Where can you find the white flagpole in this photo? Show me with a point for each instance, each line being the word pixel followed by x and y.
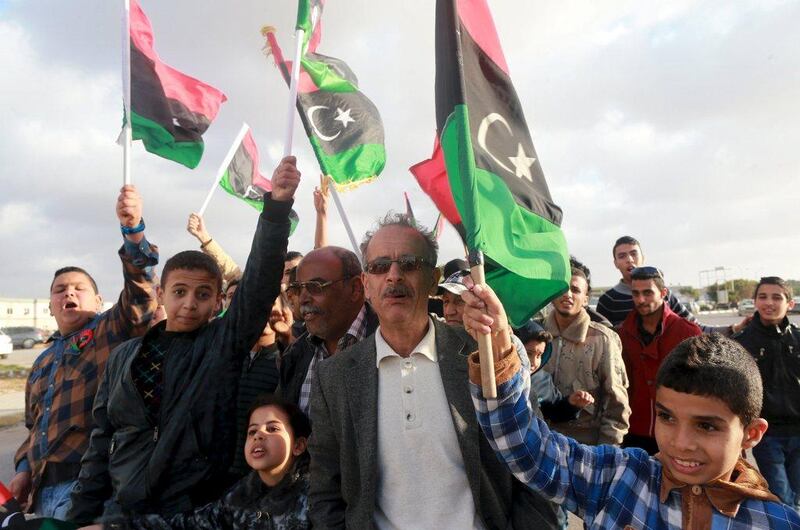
pixel 345 221
pixel 222 167
pixel 127 133
pixel 298 51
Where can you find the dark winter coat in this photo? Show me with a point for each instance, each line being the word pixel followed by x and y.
pixel 135 465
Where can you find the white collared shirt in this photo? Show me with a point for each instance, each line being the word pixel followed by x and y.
pixel 422 482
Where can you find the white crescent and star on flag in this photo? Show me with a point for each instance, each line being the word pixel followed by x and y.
pixel 521 161
pixel 342 116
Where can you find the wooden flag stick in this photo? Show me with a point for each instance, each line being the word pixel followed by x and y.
pixel 488 385
pixel 223 166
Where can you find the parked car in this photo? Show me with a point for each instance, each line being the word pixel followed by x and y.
pixel 25 337
pixel 746 307
pixel 5 345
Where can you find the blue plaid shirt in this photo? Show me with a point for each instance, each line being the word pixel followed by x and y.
pixel 606 486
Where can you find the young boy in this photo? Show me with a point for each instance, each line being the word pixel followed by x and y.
pixel 165 413
pixel 774 342
pixel 708 399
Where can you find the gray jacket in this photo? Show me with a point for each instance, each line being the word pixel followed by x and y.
pixel 344 444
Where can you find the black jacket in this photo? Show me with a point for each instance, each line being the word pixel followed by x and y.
pixel 249 504
pixel 776 349
pixel 297 359
pixel 181 461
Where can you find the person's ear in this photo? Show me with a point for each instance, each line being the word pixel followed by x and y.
pixel 754 432
pixel 664 292
pixel 791 304
pixel 356 288
pixel 160 294
pixel 98 299
pixel 218 305
pixel 299 446
pixel 436 276
pixel 365 283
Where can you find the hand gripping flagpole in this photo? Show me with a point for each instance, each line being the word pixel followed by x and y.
pixel 488 385
pixel 127 133
pixel 222 167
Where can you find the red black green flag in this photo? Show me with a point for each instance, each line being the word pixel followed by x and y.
pixel 170 111
pixel 344 127
pixel 495 179
pixel 244 180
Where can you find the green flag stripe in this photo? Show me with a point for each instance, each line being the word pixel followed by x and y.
pixel 353 165
pixel 325 78
pixel 159 141
pixel 527 245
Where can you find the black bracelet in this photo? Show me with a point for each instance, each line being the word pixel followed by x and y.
pixel 126 231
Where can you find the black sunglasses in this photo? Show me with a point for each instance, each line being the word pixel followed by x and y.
pixel 407 263
pixel 313 287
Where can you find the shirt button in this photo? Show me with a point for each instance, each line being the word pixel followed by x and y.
pixel 410 416
pixel 44 433
pixel 407 364
pixel 408 389
pixel 697 490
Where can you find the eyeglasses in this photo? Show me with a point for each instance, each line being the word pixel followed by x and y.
pixel 314 287
pixel 646 272
pixel 407 263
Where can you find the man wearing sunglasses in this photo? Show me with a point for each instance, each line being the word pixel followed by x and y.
pixel 329 295
pixel 648 334
pixel 396 442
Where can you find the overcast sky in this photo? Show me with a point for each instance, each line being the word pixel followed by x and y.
pixel 675 122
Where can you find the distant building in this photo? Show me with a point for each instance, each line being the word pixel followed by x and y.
pixel 29 312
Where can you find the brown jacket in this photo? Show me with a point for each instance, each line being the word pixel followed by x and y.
pixel 588 356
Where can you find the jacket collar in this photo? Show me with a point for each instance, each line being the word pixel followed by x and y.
pixel 774 330
pixel 724 495
pixel 575 332
pixel 631 326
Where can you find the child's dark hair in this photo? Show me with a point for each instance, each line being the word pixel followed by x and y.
pixel 712 365
pixel 301 426
pixel 192 260
pixel 64 270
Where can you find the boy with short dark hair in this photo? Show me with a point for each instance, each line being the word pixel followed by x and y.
pixel 708 397
pixel 774 342
pixel 165 413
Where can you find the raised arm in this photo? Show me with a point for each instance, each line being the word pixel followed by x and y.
pixel 197 227
pixel 321 195
pixel 261 282
pixel 130 316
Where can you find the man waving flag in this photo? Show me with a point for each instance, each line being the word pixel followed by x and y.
pixel 492 168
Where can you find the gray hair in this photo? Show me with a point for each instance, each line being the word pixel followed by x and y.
pixel 404 221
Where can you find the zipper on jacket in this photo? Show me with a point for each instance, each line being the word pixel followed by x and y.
pixel 155 434
pixel 111 449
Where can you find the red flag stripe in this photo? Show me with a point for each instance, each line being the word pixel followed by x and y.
pixel 477 20
pixel 193 94
pixel 249 144
pixel 431 175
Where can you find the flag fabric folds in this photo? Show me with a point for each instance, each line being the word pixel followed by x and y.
pixel 244 180
pixel 344 127
pixel 495 178
pixel 170 111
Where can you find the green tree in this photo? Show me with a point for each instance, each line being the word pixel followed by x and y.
pixel 738 289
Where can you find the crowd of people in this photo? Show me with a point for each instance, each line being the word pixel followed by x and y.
pixel 317 391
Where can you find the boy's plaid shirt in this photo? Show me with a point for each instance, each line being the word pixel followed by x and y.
pixel 63 380
pixel 608 487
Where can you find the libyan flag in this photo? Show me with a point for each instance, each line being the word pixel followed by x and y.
pixel 244 180
pixel 494 192
pixel 170 111
pixel 344 127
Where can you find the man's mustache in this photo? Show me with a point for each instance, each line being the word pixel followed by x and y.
pixel 397 290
